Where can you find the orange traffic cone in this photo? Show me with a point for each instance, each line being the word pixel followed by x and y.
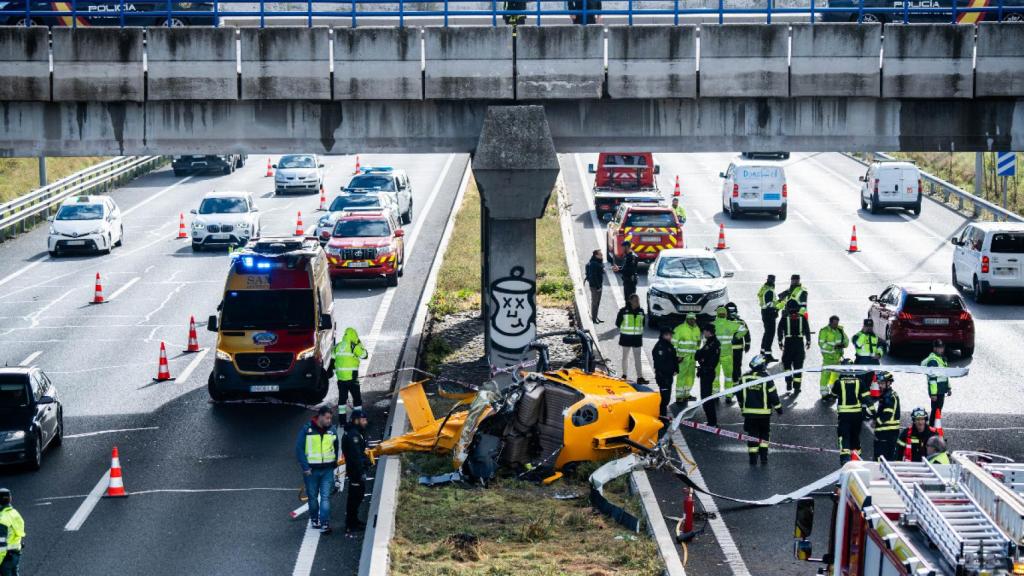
pixel 677 191
pixel 163 371
pixel 853 239
pixel 721 237
pixel 181 226
pixel 323 199
pixel 875 391
pixel 97 297
pixel 270 169
pixel 193 338
pixel 298 226
pixel 938 423
pixel 115 486
pixel 356 171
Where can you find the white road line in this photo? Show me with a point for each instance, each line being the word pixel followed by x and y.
pixel 82 514
pixel 735 263
pixel 155 196
pixel 928 231
pixel 183 377
pixel 123 288
pixel 853 258
pixel 802 217
pixel 307 552
pixel 700 217
pixel 28 360
pixel 22 270
pixel 100 432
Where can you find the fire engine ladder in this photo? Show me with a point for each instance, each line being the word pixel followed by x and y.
pixel 999 490
pixel 903 476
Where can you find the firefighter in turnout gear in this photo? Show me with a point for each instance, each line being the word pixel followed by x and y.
pixel 915 437
pixel 347 355
pixel 12 532
pixel 756 405
pixel 686 340
pixel 769 315
pixel 867 349
pixel 884 414
pixel 832 341
pixel 852 395
pixel 795 339
pixel 725 329
pixel 740 344
pixel 938 386
pixel 796 292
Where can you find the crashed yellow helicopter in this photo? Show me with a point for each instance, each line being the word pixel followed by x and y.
pixel 539 421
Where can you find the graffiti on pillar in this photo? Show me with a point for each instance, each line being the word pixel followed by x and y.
pixel 513 317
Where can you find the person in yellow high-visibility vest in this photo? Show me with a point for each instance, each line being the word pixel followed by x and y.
pixel 832 341
pixel 725 329
pixel 686 339
pixel 678 210
pixel 630 322
pixel 12 532
pixel 347 355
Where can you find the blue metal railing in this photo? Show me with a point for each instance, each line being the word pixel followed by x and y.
pixel 494 12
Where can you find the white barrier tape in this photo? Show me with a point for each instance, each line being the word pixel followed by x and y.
pixel 739 436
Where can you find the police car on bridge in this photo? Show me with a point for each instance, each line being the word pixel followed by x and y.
pixel 107 13
pixel 922 11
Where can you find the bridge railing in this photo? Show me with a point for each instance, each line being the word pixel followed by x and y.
pixel 952 196
pixel 535 12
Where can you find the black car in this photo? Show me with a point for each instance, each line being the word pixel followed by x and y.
pixel 108 13
pixel 226 163
pixel 31 416
pixel 921 11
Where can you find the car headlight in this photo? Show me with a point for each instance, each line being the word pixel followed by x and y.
pixel 14 435
pixel 656 293
pixel 52 231
pixel 306 354
pixel 324 221
pixel 717 294
pixel 332 250
pixel 384 250
pixel 96 231
pixel 243 225
pixel 196 225
pixel 222 355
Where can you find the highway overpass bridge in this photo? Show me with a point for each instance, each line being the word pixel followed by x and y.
pixel 684 88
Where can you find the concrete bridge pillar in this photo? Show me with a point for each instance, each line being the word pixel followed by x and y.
pixel 515 166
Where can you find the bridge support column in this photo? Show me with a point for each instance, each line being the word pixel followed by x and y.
pixel 515 166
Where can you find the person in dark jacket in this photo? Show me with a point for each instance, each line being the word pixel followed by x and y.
pixel 592 6
pixel 630 270
pixel 593 276
pixel 794 338
pixel 707 370
pixel 317 452
pixel 353 446
pixel 630 321
pixel 666 365
pixel 756 404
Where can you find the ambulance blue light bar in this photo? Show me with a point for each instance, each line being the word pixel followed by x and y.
pixel 368 169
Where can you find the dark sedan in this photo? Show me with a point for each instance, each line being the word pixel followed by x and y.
pixel 31 416
pixel 194 164
pixel 918 313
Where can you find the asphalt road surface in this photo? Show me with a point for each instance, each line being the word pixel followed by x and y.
pixel 983 413
pixel 210 485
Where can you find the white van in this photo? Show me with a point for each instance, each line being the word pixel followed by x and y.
pixel 891 185
pixel 989 257
pixel 754 186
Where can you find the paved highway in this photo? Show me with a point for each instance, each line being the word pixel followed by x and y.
pixel 983 413
pixel 211 485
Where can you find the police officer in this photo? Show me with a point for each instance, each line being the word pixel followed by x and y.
pixel 317 452
pixel 686 339
pixel 725 329
pixel 832 341
pixel 12 532
pixel 867 350
pixel 353 446
pixel 915 437
pixel 769 315
pixel 796 292
pixel 938 386
pixel 852 394
pixel 678 210
pixel 936 448
pixel 630 269
pixel 707 370
pixel 756 404
pixel 884 414
pixel 347 355
pixel 666 364
pixel 593 275
pixel 630 322
pixel 740 343
pixel 795 339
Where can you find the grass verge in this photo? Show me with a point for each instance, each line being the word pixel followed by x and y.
pixel 19 176
pixel 458 280
pixel 958 168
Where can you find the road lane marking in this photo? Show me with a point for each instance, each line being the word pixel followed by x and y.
pixel 853 258
pixel 183 377
pixel 735 263
pixel 699 216
pixel 28 360
pixel 157 195
pixel 307 552
pixel 123 288
pixel 22 270
pixel 802 217
pixel 34 317
pixel 82 514
pixel 100 432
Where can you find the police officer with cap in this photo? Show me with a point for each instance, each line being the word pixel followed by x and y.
pixel 353 446
pixel 867 349
pixel 630 270
pixel 12 532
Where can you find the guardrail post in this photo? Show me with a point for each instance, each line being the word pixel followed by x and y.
pixel 721 11
pixel 263 17
pixel 769 12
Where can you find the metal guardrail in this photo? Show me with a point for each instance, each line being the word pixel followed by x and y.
pixel 24 212
pixel 952 196
pixel 179 13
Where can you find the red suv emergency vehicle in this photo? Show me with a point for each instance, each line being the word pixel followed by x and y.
pixel 649 230
pixel 367 245
pixel 621 177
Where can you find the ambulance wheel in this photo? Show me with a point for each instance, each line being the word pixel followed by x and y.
pixel 319 392
pixel 216 393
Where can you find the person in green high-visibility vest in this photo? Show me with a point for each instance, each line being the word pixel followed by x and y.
pixel 678 210
pixel 832 341
pixel 686 339
pixel 938 386
pixel 725 329
pixel 630 322
pixel 347 355
pixel 936 449
pixel 12 532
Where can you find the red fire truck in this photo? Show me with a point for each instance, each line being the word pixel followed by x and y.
pixel 624 177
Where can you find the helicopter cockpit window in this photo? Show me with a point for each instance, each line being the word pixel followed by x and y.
pixel 585 415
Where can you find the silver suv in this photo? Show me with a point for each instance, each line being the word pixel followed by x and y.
pixel 385 180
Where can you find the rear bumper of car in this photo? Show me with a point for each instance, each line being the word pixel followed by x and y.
pixel 302 375
pixel 991 284
pixel 198 166
pixel 925 336
pixel 90 243
pixel 893 203
pixel 773 206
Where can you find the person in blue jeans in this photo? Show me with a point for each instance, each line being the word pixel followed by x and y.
pixel 317 452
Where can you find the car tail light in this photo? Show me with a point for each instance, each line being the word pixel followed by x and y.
pixel 919 186
pixel 965 316
pixel 876 185
pixel 735 190
pixel 785 191
pixel 905 316
pixel 984 264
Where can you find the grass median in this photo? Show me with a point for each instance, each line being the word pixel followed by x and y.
pixel 19 176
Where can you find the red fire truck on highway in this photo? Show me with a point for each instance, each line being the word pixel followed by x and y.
pixel 624 177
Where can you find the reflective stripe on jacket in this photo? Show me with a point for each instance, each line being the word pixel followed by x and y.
pixel 886 412
pixel 317 447
pixel 686 339
pixel 12 529
pixel 759 399
pixel 937 385
pixel 347 355
pixel 832 340
pixel 848 389
pixel 632 323
pixel 865 345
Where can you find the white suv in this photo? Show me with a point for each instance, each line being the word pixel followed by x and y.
pixel 989 257
pixel 385 180
pixel 86 224
pixel 891 185
pixel 684 280
pixel 225 218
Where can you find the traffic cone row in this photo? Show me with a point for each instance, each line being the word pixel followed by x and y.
pixel 938 423
pixel 853 239
pixel 299 231
pixel 721 237
pixel 323 199
pixel 356 171
pixel 182 234
pixel 270 169
pixel 193 338
pixel 115 485
pixel 163 371
pixel 677 191
pixel 97 297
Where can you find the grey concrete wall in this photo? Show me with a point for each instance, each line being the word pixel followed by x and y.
pixel 652 61
pixel 999 70
pixel 377 64
pixel 24 63
pixel 285 63
pixel 469 63
pixel 191 64
pixel 559 62
pixel 928 61
pixel 97 64
pixel 835 60
pixel 744 60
